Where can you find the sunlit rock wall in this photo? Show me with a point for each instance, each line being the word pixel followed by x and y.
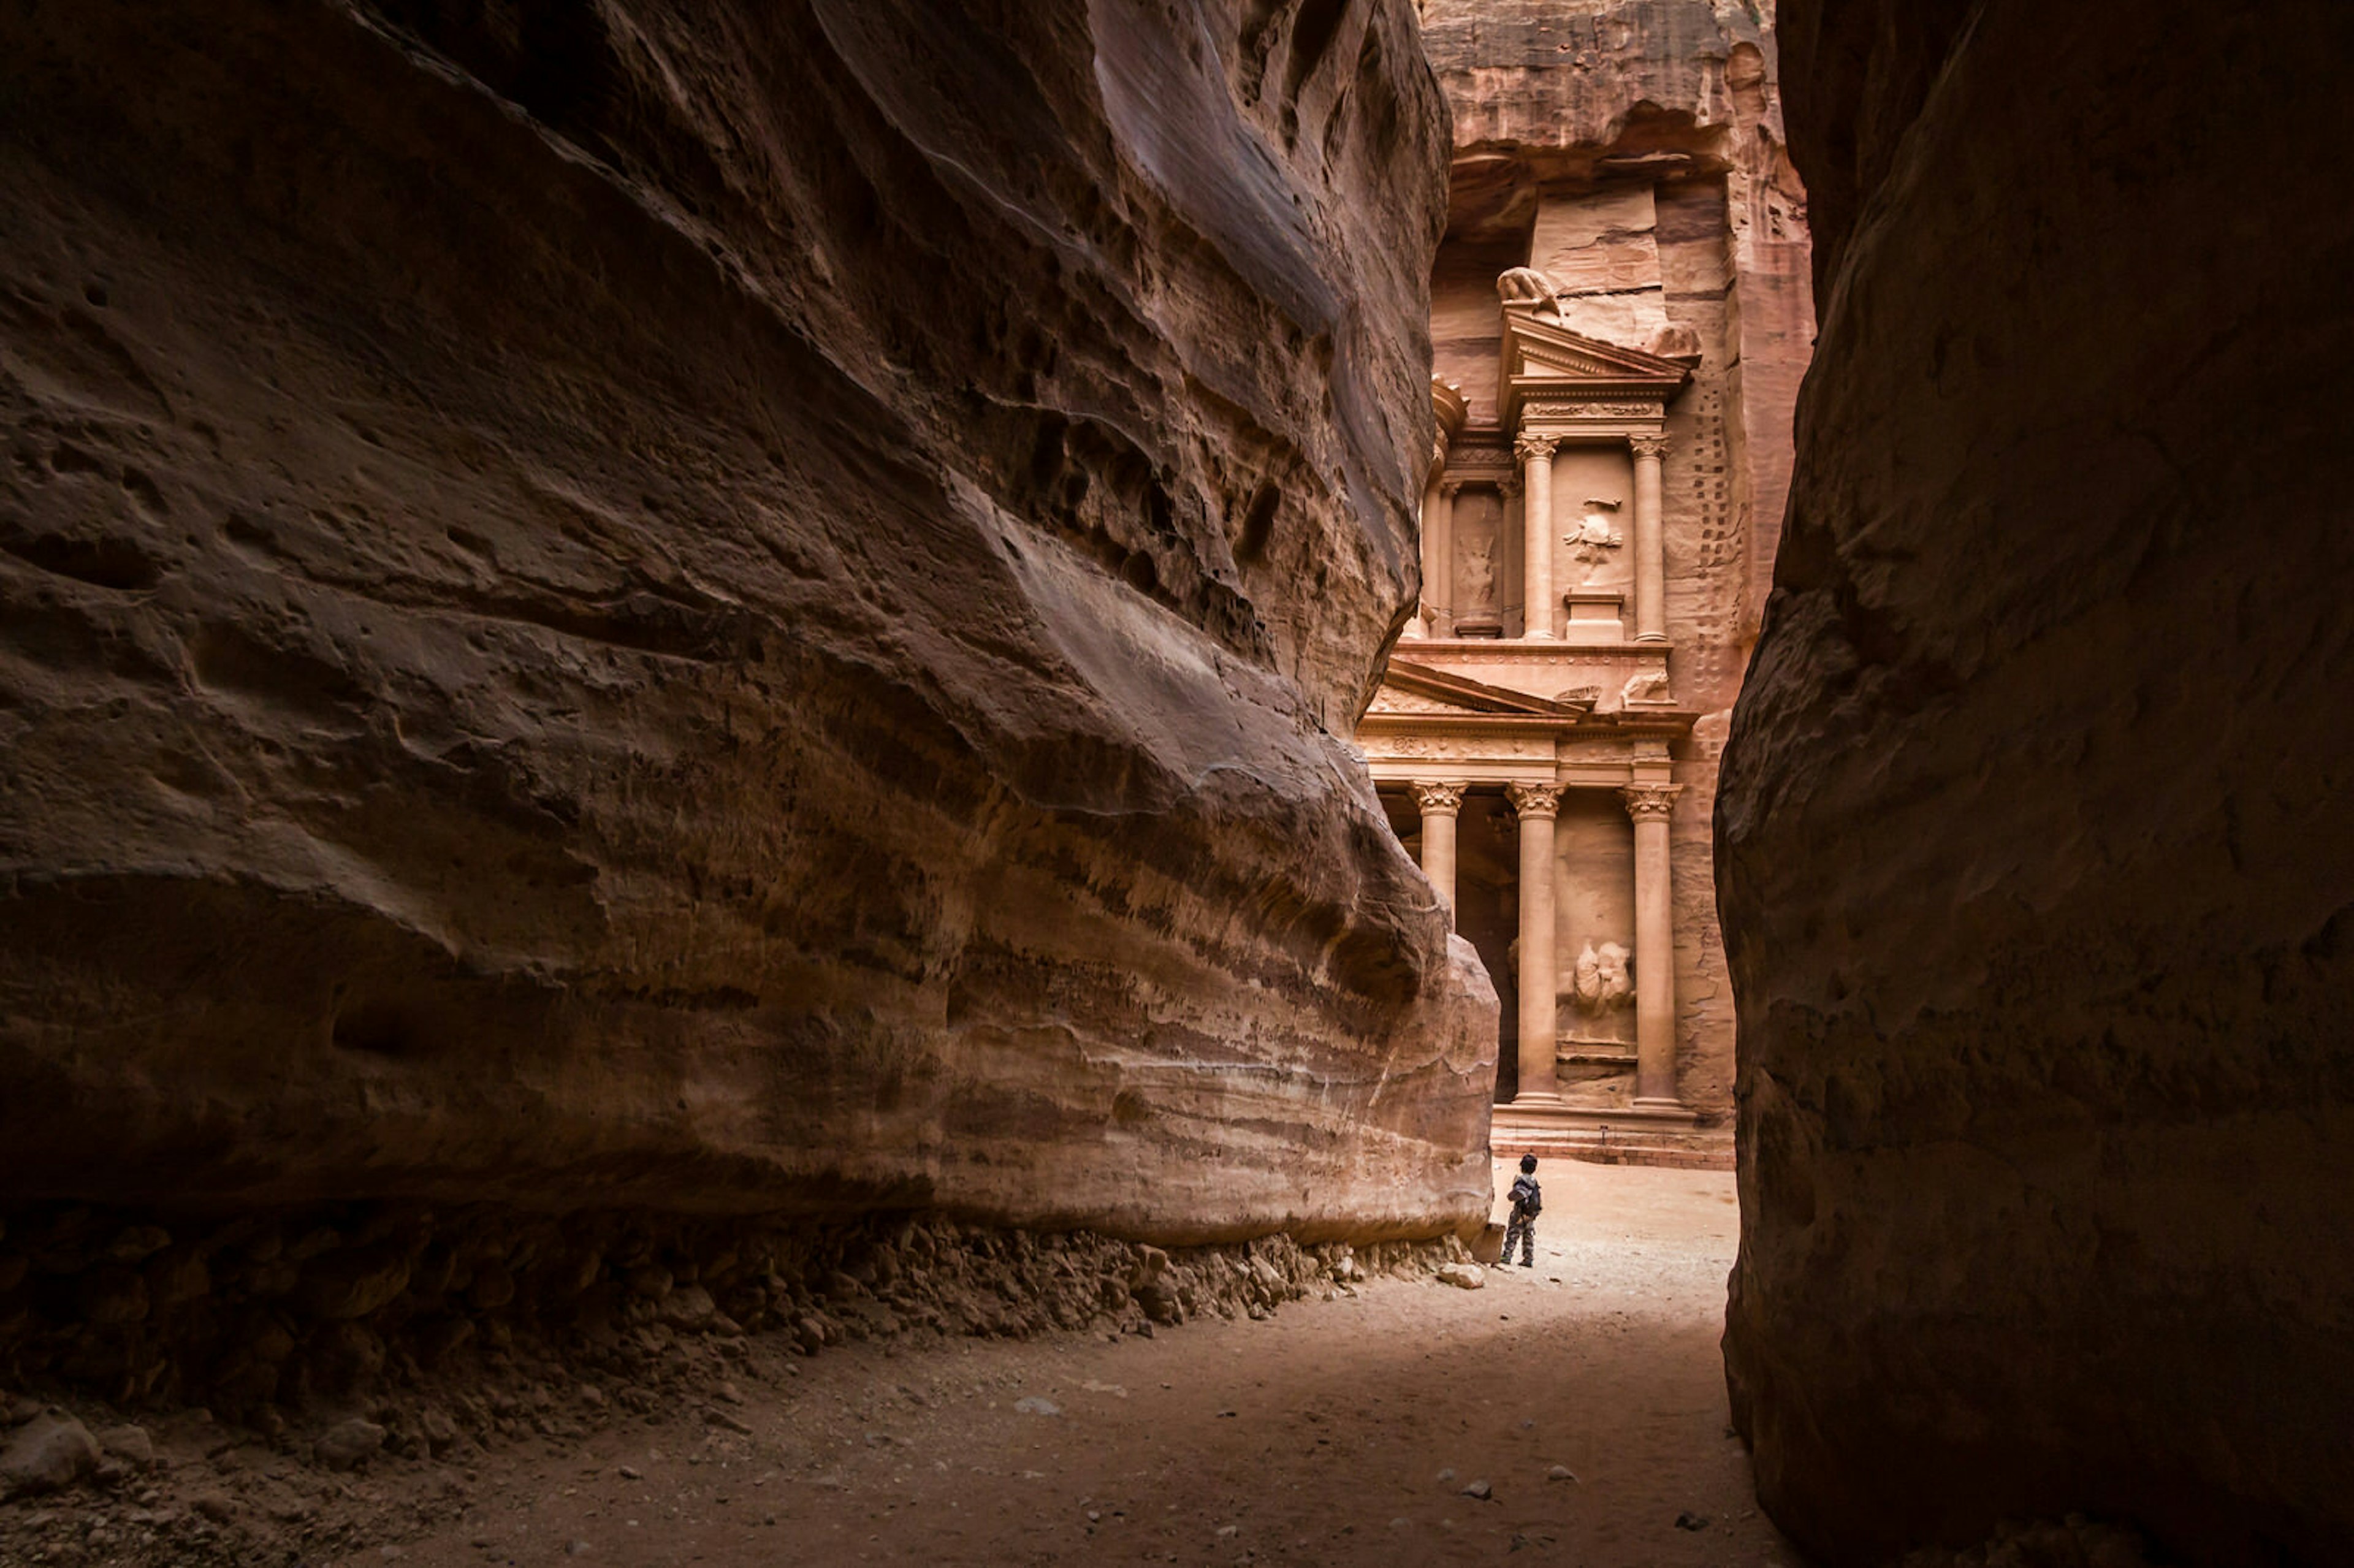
pixel 724 606
pixel 2035 865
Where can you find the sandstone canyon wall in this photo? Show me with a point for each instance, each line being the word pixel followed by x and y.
pixel 1634 150
pixel 726 607
pixel 2034 859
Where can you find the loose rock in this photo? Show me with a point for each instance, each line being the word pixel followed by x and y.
pixel 347 1443
pixel 48 1453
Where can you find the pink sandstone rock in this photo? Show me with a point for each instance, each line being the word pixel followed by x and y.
pixel 2034 861
pixel 718 605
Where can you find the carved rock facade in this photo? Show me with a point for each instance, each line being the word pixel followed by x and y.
pixel 2035 855
pixel 1619 319
pixel 720 607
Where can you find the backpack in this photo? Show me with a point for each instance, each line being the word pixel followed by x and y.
pixel 1532 1204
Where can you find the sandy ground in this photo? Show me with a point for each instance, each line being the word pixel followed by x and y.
pixel 1339 1432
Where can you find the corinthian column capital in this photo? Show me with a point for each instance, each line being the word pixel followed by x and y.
pixel 1439 800
pixel 1645 800
pixel 1530 447
pixel 1534 800
pixel 1653 446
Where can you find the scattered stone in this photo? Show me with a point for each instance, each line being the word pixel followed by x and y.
pixel 351 1284
pixel 1560 1473
pixel 48 1453
pixel 1692 1521
pixel 440 1432
pixel 687 1307
pixel 577 1549
pixel 629 1473
pixel 1033 1405
pixel 113 1294
pixel 1462 1276
pixel 129 1444
pixel 347 1443
pixel 138 1243
pixel 1479 1489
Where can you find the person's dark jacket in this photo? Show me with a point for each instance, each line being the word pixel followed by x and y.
pixel 1528 1198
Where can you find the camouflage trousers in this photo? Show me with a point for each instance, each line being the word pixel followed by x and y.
pixel 1522 1228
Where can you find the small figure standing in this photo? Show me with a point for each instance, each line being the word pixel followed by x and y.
pixel 1528 1202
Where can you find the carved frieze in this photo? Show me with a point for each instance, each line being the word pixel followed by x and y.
pixel 1541 407
pixel 1458 748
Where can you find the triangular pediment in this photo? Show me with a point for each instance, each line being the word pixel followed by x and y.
pixel 1411 688
pixel 1536 348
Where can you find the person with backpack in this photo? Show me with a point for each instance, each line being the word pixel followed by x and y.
pixel 1528 1202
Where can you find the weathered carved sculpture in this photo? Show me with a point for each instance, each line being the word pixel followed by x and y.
pixel 1602 981
pixel 1526 285
pixel 1594 544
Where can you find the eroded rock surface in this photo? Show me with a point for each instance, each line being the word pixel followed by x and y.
pixel 718 605
pixel 2033 859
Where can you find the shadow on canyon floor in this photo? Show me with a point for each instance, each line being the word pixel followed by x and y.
pixel 1586 1394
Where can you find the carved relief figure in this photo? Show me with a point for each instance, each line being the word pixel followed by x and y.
pixel 1601 982
pixel 1591 542
pixel 1526 284
pixel 1475 572
pixel 1646 686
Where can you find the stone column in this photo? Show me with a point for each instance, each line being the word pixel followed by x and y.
pixel 1442 596
pixel 1655 946
pixel 1650 541
pixel 1535 805
pixel 1423 622
pixel 1535 453
pixel 1439 803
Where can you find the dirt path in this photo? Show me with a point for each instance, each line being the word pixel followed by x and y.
pixel 1339 1431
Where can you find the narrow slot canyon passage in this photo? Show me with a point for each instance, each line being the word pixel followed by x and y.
pixel 812 782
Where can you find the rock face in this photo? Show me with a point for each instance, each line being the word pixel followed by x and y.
pixel 724 607
pixel 2034 856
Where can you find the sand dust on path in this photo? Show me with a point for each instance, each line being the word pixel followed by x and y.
pixel 1339 1432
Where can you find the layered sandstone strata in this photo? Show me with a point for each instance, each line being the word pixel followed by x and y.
pixel 721 607
pixel 2034 863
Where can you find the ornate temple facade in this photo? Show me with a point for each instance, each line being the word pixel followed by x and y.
pixel 1617 339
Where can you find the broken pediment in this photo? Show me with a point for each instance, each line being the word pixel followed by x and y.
pixel 1544 359
pixel 1411 688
